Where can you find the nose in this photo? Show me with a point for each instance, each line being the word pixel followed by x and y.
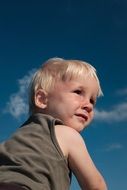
pixel 86 105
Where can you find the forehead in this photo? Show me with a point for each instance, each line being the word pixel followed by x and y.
pixel 84 83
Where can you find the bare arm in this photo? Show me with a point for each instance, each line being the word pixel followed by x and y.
pixel 81 164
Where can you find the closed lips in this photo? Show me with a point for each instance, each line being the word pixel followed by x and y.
pixel 83 116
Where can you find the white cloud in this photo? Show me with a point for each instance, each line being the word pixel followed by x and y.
pixel 16 105
pixel 113 146
pixel 18 102
pixel 116 114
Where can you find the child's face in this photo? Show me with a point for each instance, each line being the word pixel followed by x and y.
pixel 73 102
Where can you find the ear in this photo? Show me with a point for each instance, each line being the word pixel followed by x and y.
pixel 41 99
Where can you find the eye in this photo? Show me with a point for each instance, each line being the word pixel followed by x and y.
pixel 77 91
pixel 93 101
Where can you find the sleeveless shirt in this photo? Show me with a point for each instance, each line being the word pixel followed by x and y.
pixel 32 156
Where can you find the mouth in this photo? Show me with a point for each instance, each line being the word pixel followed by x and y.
pixel 82 116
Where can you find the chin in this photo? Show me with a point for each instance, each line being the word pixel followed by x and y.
pixel 80 128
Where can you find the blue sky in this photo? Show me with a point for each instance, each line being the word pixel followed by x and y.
pixel 93 31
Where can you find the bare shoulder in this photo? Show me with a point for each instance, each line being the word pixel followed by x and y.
pixel 66 136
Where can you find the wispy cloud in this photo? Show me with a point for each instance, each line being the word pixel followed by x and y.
pixel 113 147
pixel 18 102
pixel 117 113
pixel 122 92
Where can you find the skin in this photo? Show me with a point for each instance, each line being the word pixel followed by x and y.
pixel 73 102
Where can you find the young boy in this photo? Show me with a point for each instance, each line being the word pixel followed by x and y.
pixel 42 154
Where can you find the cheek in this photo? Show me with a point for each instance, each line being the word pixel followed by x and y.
pixel 91 115
pixel 66 104
pixel 66 108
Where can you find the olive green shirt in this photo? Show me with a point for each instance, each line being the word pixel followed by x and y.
pixel 32 156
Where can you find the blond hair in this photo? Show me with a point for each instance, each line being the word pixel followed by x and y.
pixel 58 69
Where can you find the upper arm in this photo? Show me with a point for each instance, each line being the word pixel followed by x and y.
pixel 80 162
pixel 82 165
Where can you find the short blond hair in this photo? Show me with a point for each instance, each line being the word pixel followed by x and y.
pixel 58 69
